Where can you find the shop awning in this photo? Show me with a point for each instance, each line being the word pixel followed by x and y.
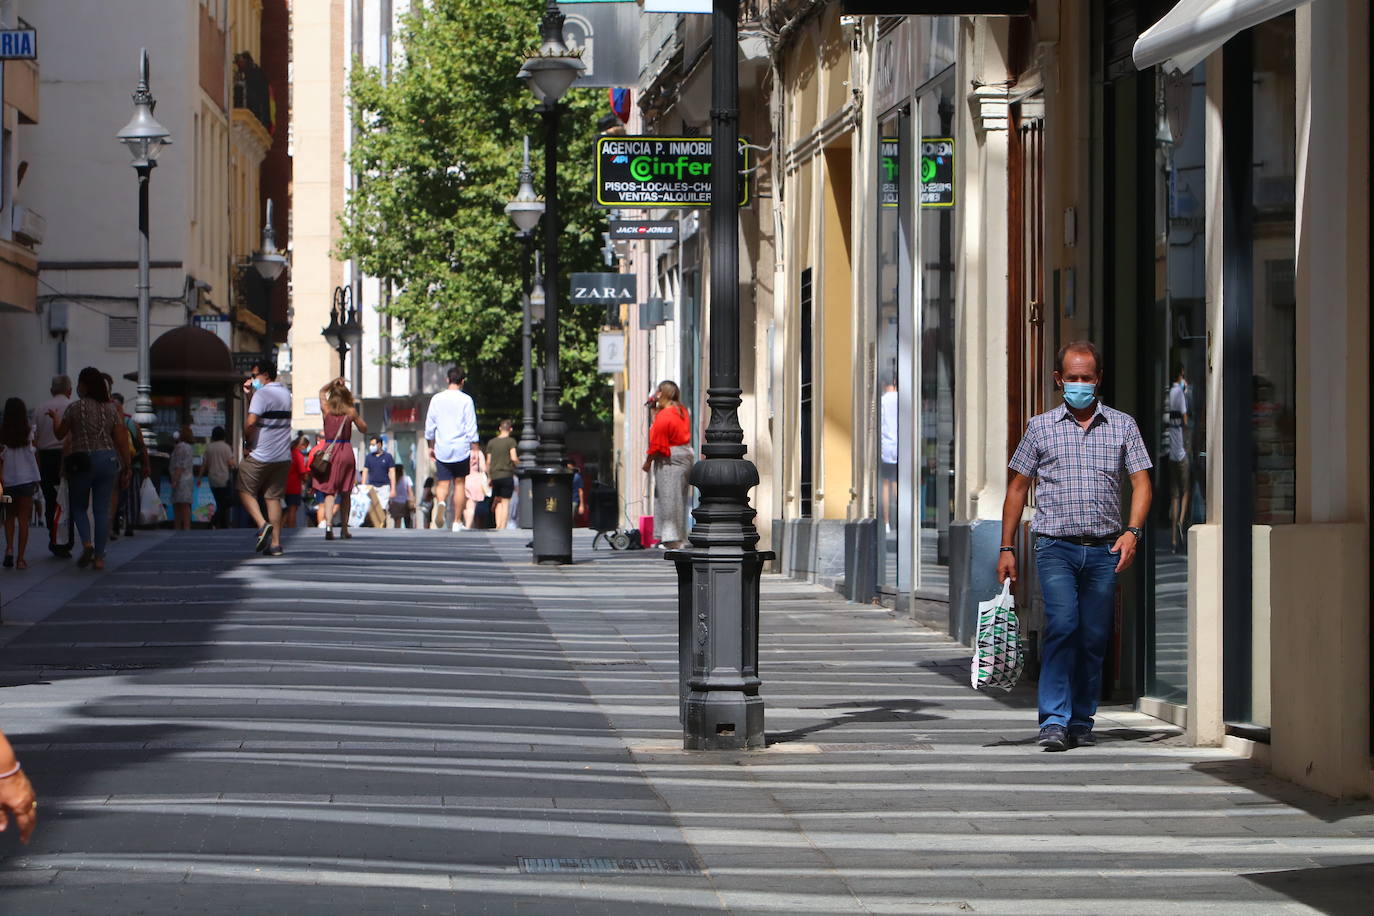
pixel 1194 29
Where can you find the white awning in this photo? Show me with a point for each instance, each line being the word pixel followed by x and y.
pixel 1194 29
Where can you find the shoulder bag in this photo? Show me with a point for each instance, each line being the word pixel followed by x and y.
pixel 321 463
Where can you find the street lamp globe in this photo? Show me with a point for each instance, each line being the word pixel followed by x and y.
pixel 549 71
pixel 537 299
pixel 143 135
pixel 525 208
pixel 352 328
pixel 333 332
pixel 268 261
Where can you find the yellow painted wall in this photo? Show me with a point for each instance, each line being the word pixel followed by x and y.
pixel 834 338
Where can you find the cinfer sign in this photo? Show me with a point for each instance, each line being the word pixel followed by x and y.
pixel 659 171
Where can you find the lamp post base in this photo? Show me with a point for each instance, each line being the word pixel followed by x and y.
pixel 719 697
pixel 551 506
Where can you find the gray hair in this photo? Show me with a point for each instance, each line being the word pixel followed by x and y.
pixel 61 384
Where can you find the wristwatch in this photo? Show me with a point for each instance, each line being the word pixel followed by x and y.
pixel 1139 534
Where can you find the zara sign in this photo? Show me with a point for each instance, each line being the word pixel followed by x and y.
pixel 604 289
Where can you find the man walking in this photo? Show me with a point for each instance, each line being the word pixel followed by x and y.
pixel 1077 452
pixel 263 473
pixel 50 460
pixel 451 431
pixel 379 477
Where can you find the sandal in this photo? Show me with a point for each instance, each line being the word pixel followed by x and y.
pixel 9 561
pixel 344 533
pixel 21 564
pixel 98 564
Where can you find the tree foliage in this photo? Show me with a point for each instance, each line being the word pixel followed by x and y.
pixel 437 152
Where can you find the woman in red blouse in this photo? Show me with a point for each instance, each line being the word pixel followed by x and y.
pixel 670 458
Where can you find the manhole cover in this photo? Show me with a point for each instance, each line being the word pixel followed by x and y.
pixel 607 866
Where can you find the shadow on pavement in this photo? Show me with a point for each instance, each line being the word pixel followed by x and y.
pixel 1336 890
pixel 867 712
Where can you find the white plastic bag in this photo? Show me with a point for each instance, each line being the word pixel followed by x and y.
pixel 998 651
pixel 150 509
pixel 63 513
pixel 357 508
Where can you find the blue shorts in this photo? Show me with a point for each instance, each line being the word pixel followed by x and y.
pixel 451 470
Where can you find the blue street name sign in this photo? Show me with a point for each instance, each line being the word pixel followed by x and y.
pixel 18 44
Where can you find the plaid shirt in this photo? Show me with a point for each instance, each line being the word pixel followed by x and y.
pixel 1079 470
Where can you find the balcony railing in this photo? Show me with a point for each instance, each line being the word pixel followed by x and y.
pixel 251 89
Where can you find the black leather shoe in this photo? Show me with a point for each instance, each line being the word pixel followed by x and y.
pixel 1054 738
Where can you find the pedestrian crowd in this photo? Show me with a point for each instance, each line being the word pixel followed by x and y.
pixel 82 457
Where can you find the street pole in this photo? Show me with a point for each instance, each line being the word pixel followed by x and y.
pixel 528 443
pixel 551 481
pixel 718 576
pixel 143 401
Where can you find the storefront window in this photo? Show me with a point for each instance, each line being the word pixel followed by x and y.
pixel 1179 368
pixel 1273 243
pixel 891 255
pixel 1273 238
pixel 935 450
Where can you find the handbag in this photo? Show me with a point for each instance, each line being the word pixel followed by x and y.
pixel 321 463
pixel 998 652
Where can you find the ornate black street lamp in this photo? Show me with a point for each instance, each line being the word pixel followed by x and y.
pixel 145 138
pixel 718 576
pixel 344 331
pixel 269 263
pixel 548 72
pixel 524 211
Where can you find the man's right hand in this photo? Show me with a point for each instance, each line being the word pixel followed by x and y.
pixel 1006 566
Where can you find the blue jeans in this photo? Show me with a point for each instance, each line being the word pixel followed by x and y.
pixel 91 490
pixel 1079 587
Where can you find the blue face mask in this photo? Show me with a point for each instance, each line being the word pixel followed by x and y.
pixel 257 383
pixel 1079 395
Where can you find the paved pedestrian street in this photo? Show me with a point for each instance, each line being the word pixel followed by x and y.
pixel 422 722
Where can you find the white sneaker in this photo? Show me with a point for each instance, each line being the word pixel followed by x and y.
pixel 458 526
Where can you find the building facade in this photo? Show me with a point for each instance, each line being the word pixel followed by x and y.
pixel 944 200
pixel 206 210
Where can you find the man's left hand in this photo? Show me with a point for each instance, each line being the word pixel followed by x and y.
pixel 1124 548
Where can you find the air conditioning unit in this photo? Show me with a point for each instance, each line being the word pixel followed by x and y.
pixel 28 227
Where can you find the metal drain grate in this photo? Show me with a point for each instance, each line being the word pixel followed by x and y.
pixel 607 866
pixel 847 748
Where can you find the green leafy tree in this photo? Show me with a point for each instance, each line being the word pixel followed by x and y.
pixel 437 153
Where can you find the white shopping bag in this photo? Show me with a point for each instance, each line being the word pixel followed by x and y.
pixel 998 652
pixel 357 508
pixel 150 509
pixel 63 513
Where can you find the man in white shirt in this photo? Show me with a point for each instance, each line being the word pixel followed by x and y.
pixel 264 472
pixel 50 458
pixel 451 431
pixel 1180 463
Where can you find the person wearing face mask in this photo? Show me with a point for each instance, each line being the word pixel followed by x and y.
pixel 379 473
pixel 262 475
pixel 295 481
pixel 1077 453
